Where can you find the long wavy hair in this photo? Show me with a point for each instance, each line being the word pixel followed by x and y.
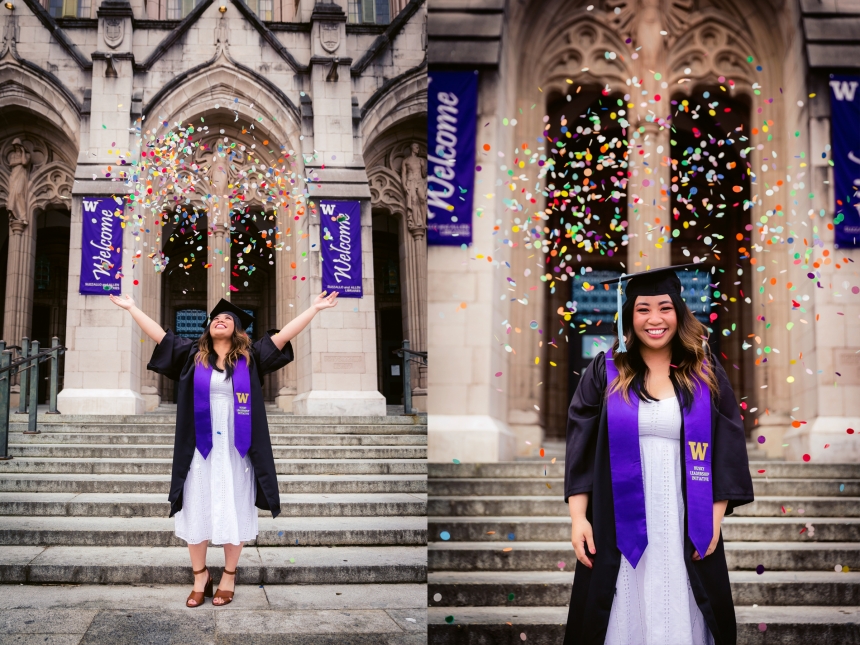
pixel 206 349
pixel 691 358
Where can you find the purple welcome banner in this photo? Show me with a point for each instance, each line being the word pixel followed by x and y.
pixel 101 249
pixel 452 128
pixel 845 137
pixel 341 248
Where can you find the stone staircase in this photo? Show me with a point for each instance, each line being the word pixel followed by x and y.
pixel 83 505
pixel 501 563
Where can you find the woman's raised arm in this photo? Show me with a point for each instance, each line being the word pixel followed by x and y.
pixel 292 328
pixel 147 324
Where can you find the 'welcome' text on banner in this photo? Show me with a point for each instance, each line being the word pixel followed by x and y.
pixel 101 249
pixel 452 127
pixel 341 248
pixel 845 138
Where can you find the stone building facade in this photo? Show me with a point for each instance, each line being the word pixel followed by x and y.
pixel 340 86
pixel 792 352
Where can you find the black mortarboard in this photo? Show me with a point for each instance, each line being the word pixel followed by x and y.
pixel 656 282
pixel 241 317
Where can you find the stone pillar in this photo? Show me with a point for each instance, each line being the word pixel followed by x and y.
pixel 103 365
pixel 286 305
pixel 218 275
pixel 20 267
pixel 414 265
pixel 649 214
pixel 336 354
pixel 150 304
pixel 649 219
pixel 466 304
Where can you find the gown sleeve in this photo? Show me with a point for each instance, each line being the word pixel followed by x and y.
pixel 730 462
pixel 170 355
pixel 268 357
pixel 583 421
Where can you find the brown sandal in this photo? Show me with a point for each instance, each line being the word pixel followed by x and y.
pixel 227 596
pixel 198 596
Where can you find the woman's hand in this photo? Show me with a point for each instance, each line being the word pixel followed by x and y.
pixel 581 534
pixel 126 304
pixel 711 548
pixel 719 512
pixel 324 301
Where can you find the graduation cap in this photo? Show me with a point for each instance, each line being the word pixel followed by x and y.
pixel 240 317
pixel 656 282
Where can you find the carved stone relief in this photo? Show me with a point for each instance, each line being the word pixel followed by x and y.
pixel 32 176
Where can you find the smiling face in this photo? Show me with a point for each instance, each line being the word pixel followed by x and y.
pixel 655 321
pixel 222 326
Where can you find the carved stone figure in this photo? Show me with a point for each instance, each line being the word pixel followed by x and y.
pixel 413 175
pixel 218 177
pixel 19 181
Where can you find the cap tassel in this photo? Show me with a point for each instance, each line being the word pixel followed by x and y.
pixel 622 347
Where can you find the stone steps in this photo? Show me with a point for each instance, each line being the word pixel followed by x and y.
pixel 780 506
pixel 166 440
pixel 140 531
pixel 96 451
pixel 507 531
pixel 322 484
pixel 85 502
pixel 549 529
pixel 542 470
pixel 49 430
pixel 552 589
pixel 156 505
pixel 358 614
pixel 545 625
pixel 115 466
pixel 273 417
pixel 552 487
pixel 549 556
pixel 170 565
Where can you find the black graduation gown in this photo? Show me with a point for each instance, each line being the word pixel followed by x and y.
pixel 174 357
pixel 587 471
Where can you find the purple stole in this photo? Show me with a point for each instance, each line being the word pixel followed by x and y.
pixel 628 490
pixel 241 408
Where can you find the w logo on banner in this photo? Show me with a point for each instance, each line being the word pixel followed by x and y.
pixel 843 90
pixel 328 209
pixel 698 450
pixel 90 207
pixel 243 398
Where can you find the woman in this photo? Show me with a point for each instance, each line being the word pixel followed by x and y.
pixel 656 455
pixel 222 458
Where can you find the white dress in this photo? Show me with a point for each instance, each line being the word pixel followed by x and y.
pixel 654 604
pixel 218 497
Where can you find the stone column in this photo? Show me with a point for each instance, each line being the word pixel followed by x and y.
pixel 336 354
pixel 649 219
pixel 103 365
pixel 150 304
pixel 218 275
pixel 649 214
pixel 414 265
pixel 285 307
pixel 20 267
pixel 467 303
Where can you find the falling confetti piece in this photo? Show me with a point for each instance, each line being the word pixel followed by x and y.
pixel 759 569
pixel 437 597
pixel 445 535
